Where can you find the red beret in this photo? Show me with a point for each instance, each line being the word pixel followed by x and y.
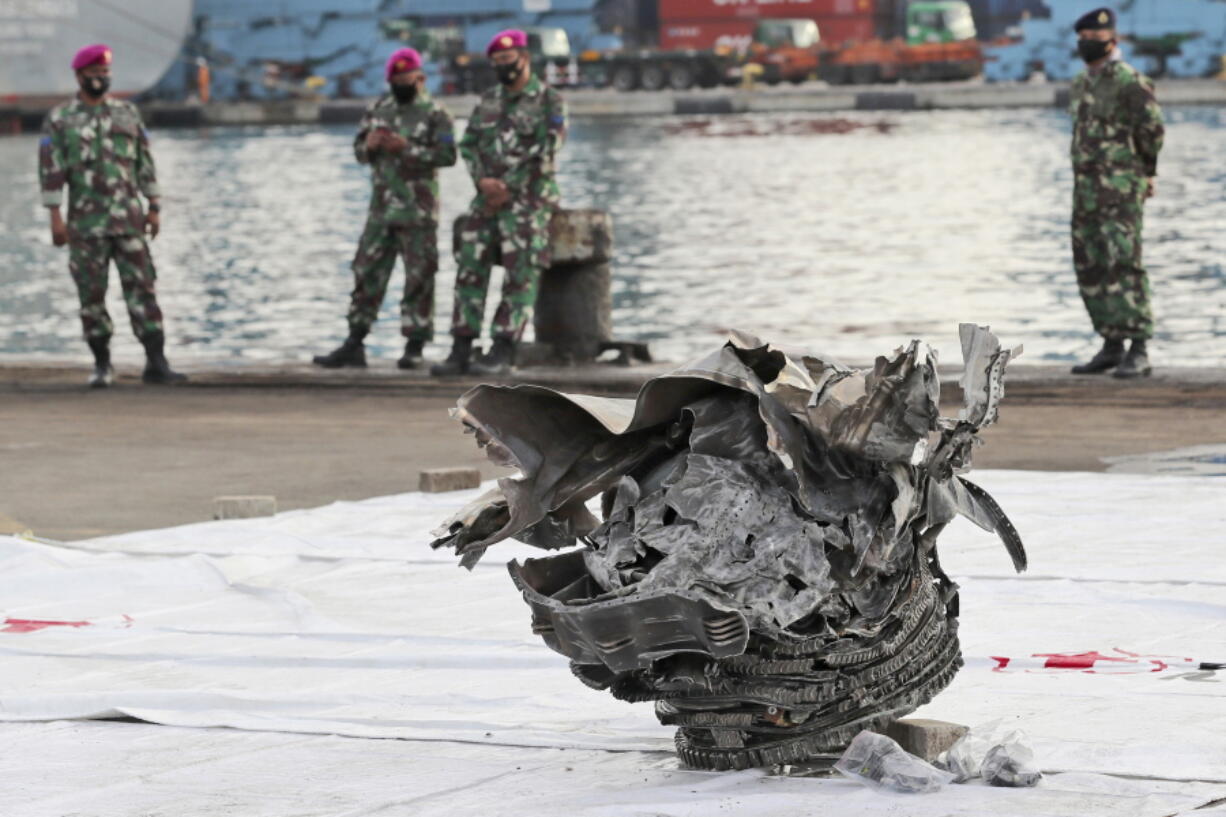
pixel 511 38
pixel 406 59
pixel 91 54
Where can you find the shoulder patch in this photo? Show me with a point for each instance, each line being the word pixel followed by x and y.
pixel 45 142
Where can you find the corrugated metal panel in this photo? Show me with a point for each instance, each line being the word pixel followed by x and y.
pixel 757 9
pixel 473 8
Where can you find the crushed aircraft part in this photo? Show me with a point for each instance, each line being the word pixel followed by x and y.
pixel 764 566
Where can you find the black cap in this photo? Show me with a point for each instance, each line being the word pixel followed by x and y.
pixel 1102 19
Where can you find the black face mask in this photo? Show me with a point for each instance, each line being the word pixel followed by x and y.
pixel 508 73
pixel 404 93
pixel 1094 50
pixel 95 86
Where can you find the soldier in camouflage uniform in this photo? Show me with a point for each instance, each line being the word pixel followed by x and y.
pixel 404 137
pixel 509 146
pixel 97 147
pixel 1117 134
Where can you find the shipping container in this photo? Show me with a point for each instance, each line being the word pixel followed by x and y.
pixel 712 10
pixel 706 35
pixel 738 34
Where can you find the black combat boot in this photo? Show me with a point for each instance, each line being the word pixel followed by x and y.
pixel 1135 363
pixel 458 361
pixel 103 374
pixel 157 370
pixel 1107 358
pixel 412 359
pixel 350 353
pixel 499 361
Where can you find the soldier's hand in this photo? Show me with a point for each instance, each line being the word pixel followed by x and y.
pixel 374 140
pixel 153 223
pixel 495 193
pixel 59 230
pixel 394 142
pixel 1152 190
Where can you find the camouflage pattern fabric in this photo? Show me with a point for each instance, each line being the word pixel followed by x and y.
pixel 405 185
pixel 514 137
pixel 88 261
pixel 519 241
pixel 372 267
pixel 1117 135
pixel 403 215
pixel 101 152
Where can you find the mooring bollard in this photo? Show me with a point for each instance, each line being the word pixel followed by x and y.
pixel 574 309
pixel 574 304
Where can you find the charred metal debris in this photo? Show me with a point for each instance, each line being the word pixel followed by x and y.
pixel 765 566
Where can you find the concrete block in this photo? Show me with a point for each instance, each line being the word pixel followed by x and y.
pixel 438 480
pixel 925 738
pixel 243 507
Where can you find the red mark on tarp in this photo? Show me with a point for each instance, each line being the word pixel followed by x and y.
pixel 1123 662
pixel 1078 660
pixel 33 625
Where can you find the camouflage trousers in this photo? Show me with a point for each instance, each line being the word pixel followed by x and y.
pixel 516 239
pixel 1108 212
pixel 89 262
pixel 372 267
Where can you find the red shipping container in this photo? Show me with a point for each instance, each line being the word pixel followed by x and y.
pixel 706 35
pixel 711 10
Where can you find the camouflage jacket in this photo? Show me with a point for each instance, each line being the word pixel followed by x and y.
pixel 406 184
pixel 515 137
pixel 1117 124
pixel 101 152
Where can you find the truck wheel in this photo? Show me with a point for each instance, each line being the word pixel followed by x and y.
pixel 653 76
pixel 835 74
pixel 625 78
pixel 708 76
pixel 680 76
pixel 864 74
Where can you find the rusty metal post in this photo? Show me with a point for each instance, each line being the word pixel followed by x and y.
pixel 574 308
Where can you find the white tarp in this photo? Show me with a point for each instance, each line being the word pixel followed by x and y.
pixel 340 621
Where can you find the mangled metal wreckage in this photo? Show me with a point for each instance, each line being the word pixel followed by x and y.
pixel 765 568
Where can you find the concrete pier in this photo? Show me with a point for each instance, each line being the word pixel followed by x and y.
pixel 813 97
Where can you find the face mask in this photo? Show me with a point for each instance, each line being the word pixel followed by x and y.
pixel 405 93
pixel 508 73
pixel 1094 50
pixel 95 86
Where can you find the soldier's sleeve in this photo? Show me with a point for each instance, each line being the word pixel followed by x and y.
pixel 551 133
pixel 51 164
pixel 556 123
pixel 470 149
pixel 146 172
pixel 441 150
pixel 444 139
pixel 359 141
pixel 1148 131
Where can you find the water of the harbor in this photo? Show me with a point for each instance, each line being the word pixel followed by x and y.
pixel 848 234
